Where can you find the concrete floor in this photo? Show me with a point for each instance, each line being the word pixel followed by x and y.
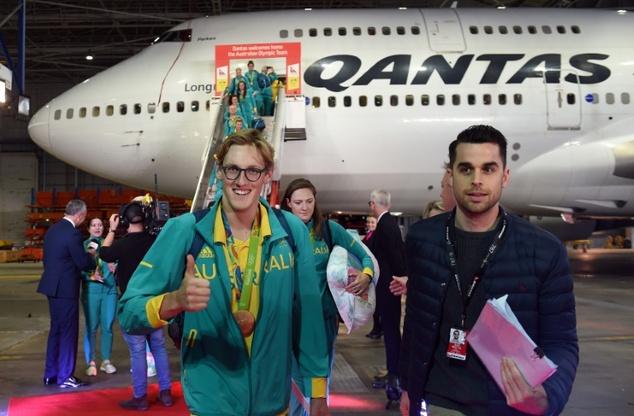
pixel 604 288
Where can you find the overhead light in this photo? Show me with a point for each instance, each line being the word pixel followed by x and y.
pixel 89 56
pixel 3 91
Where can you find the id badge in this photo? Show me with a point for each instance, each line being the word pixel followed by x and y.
pixel 457 348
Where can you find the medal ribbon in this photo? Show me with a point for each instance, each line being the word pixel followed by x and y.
pixel 485 261
pixel 243 283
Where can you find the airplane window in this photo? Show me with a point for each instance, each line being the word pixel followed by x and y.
pixel 609 98
pixel 137 108
pixel 82 112
pixel 312 32
pixel 347 101
pixel 109 110
pixel 532 30
pixel 571 99
pixel 440 99
pixel 316 102
pixel 486 99
pixel 409 100
pixel 342 31
pixel 356 31
pixel 180 106
pixel 386 30
pixel 123 109
pixel 69 113
pixel 327 31
pixel 151 108
pixel 424 99
pixel 488 30
pixel 332 101
pixel 471 99
pixel 595 98
pixel 546 29
pixel 195 106
pixel 517 30
pixel 207 105
pixel 299 33
pixel 166 106
pixel 473 30
pixel 415 30
pixel 393 100
pixel 283 33
pixel 371 31
pixel 378 100
pixel 561 29
pixel 625 98
pixel 400 30
pixel 502 99
pixel 58 114
pixel 363 101
pixel 95 111
pixel 517 99
pixel 503 30
pixel 575 29
pixel 455 99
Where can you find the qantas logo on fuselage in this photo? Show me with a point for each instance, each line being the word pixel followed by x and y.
pixel 396 69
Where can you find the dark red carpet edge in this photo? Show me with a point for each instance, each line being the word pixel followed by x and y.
pixel 94 403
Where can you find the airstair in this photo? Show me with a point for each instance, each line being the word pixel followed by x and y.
pixel 276 132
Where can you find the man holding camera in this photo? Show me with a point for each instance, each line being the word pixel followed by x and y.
pixel 129 252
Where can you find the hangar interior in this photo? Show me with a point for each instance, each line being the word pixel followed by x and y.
pixel 46 45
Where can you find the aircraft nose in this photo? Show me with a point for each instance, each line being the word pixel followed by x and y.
pixel 39 128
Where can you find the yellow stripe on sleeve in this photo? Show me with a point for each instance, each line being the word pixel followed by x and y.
pixel 152 308
pixel 318 388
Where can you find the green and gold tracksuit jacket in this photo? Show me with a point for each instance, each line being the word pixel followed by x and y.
pixel 222 372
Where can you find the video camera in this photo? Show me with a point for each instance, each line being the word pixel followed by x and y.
pixel 144 210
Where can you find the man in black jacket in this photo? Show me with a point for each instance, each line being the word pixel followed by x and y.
pixel 458 260
pixel 387 246
pixel 128 252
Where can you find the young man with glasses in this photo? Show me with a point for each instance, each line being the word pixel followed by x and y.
pixel 242 294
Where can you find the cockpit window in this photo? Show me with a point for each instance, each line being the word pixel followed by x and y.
pixel 184 35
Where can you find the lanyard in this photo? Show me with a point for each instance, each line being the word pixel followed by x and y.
pixel 499 234
pixel 243 283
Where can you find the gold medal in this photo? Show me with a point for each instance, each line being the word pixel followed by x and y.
pixel 245 321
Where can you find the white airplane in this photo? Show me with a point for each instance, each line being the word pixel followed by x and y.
pixel 382 93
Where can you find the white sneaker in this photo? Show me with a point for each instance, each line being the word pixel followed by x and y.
pixel 91 371
pixel 108 368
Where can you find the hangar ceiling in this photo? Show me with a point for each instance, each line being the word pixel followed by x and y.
pixel 59 34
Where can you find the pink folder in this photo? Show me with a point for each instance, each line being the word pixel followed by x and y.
pixel 498 333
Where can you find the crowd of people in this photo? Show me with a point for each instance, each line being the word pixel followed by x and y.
pixel 259 321
pixel 251 96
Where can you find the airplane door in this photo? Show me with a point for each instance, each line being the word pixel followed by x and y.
pixel 563 101
pixel 444 30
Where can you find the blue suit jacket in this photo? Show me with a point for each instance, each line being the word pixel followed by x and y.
pixel 64 259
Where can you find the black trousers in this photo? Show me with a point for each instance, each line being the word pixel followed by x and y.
pixel 389 308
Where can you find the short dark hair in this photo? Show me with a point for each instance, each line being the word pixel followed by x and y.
pixel 478 134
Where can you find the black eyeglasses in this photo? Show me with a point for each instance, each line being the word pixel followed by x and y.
pixel 233 173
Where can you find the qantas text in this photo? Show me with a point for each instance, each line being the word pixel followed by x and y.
pixel 396 69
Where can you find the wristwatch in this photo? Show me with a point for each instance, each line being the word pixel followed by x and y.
pixel 110 230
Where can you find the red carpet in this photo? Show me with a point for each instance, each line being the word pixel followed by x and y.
pixel 94 403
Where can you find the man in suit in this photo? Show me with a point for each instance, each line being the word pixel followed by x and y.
pixel 387 246
pixel 64 259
